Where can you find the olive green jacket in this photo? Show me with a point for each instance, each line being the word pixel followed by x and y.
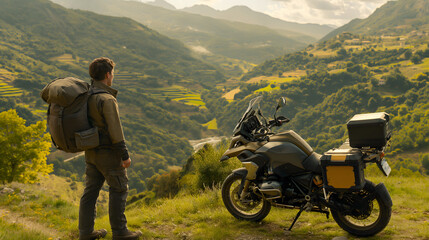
pixel 104 114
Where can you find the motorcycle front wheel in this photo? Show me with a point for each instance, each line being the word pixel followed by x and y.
pixel 251 208
pixel 367 220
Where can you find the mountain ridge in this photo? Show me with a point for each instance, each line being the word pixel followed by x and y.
pixel 163 4
pixel 245 14
pixel 249 42
pixel 394 17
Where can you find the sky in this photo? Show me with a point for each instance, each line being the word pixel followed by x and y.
pixel 331 12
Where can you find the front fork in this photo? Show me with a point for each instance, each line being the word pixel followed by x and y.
pixel 245 189
pixel 248 173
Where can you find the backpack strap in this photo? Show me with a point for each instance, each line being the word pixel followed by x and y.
pixel 93 91
pixel 48 113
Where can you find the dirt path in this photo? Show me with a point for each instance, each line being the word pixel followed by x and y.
pixel 27 223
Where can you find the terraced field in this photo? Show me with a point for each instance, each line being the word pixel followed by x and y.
pixel 70 59
pixel 179 94
pixel 269 88
pixel 9 91
pixel 211 124
pixel 412 71
pixel 230 95
pixel 127 79
pixel 66 58
pixel 6 90
pixel 274 79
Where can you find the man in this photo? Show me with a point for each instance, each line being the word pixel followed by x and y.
pixel 108 161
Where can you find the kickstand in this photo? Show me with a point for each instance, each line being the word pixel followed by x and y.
pixel 296 218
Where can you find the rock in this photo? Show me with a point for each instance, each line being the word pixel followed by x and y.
pixel 340 238
pixel 7 190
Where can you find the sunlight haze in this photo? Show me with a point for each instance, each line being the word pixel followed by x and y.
pixel 331 12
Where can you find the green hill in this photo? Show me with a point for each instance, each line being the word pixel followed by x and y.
pixel 393 18
pixel 243 41
pixel 41 41
pixel 45 31
pixel 328 83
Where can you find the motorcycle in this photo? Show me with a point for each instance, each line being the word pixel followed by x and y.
pixel 282 170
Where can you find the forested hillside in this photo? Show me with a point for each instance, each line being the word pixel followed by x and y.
pixel 41 41
pixel 328 83
pixel 393 18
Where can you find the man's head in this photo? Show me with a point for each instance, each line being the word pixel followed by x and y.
pixel 102 69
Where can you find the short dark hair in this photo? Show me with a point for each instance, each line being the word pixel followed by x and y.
pixel 99 67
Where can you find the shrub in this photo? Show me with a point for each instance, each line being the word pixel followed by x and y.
pixel 416 59
pixel 207 170
pixel 425 162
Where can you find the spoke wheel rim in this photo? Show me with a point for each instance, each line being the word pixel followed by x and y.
pixel 367 221
pixel 247 207
pixel 367 218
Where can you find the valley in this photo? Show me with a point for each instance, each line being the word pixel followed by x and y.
pixel 181 94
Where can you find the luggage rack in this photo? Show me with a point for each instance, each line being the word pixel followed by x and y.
pixel 370 155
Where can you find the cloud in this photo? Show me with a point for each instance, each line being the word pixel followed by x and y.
pixel 322 4
pixel 373 1
pixel 335 12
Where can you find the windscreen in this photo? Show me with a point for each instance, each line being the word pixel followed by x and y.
pixel 253 107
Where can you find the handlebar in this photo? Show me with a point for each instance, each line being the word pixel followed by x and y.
pixel 275 122
pixel 278 122
pixel 252 129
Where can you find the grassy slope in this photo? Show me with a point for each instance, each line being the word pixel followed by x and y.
pixel 53 208
pixel 19 232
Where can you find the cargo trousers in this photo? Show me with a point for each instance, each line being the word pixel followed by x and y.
pixel 104 165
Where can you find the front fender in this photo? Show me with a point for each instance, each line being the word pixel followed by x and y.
pixel 382 192
pixel 241 172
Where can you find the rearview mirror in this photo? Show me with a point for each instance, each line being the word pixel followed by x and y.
pixel 281 103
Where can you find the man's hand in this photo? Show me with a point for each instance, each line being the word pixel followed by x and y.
pixel 126 163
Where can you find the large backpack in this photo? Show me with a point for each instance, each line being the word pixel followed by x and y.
pixel 68 120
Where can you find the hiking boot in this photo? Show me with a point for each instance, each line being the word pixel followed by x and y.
pixel 128 235
pixel 96 234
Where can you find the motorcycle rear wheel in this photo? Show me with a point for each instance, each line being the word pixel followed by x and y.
pixel 366 225
pixel 252 208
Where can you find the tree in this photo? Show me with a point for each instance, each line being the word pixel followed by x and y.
pixel 408 53
pixel 342 53
pixel 396 80
pixel 416 59
pixel 425 162
pixel 23 149
pixel 164 185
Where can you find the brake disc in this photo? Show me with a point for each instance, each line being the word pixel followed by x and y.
pixel 243 204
